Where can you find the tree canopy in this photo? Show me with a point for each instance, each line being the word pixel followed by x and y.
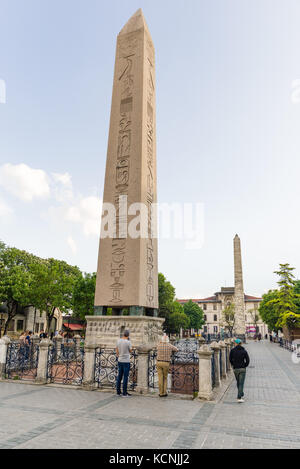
pixel 27 280
pixel 195 315
pixel 281 308
pixel 84 294
pixel 169 308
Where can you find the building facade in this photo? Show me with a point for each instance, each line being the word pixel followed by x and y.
pixel 30 319
pixel 215 305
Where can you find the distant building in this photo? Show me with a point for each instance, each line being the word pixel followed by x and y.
pixel 30 319
pixel 214 306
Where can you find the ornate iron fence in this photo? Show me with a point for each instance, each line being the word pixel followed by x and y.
pixel 66 366
pixel 221 364
pixel 213 376
pixel 22 361
pixel 183 372
pixel 187 345
pixel 106 368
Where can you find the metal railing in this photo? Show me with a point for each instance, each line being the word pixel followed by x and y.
pixel 22 361
pixel 183 372
pixel 106 368
pixel 65 366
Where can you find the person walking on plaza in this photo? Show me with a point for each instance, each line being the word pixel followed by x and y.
pixel 123 350
pixel 239 360
pixel 164 353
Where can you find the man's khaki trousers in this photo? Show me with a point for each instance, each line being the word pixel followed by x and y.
pixel 162 371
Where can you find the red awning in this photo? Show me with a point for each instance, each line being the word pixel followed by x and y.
pixel 74 327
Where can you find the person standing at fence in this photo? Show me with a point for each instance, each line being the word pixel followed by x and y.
pixel 27 344
pixel 164 353
pixel 239 360
pixel 123 350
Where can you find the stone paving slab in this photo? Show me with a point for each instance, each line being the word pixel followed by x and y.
pixel 58 417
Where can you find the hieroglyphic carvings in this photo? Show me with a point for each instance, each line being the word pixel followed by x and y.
pixel 150 175
pixel 126 51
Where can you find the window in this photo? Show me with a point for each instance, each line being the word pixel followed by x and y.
pixel 215 317
pixel 215 329
pixel 246 317
pixel 11 326
pixel 205 317
pixel 205 329
pixel 205 307
pixel 20 325
pixel 215 307
pixel 37 328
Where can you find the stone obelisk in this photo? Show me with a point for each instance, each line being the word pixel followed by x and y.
pixel 127 274
pixel 239 297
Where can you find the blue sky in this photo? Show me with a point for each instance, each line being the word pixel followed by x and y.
pixel 227 129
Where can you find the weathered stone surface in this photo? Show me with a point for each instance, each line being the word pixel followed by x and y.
pixel 240 326
pixel 127 273
pixel 106 330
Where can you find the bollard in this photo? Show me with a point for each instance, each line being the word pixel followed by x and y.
pixel 4 343
pixel 89 366
pixel 205 381
pixel 143 369
pixel 223 358
pixel 217 350
pixel 42 371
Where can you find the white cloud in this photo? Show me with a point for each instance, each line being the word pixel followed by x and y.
pixel 5 210
pixel 72 244
pixel 86 212
pixel 24 182
pixel 63 188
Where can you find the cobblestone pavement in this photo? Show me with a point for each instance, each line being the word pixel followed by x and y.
pixel 56 417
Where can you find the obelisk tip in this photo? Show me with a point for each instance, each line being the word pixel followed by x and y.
pixel 136 22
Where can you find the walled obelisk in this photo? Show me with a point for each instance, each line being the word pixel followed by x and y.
pixel 239 297
pixel 127 274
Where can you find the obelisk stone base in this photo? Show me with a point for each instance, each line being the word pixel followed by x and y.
pixel 104 331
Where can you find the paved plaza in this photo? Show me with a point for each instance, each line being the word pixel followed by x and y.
pixel 59 417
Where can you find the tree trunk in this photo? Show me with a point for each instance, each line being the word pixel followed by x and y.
pixel 10 315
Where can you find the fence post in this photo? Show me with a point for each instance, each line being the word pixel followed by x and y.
pixel 223 358
pixel 58 339
pixel 217 350
pixel 4 342
pixel 77 339
pixel 35 339
pixel 228 345
pixel 143 369
pixel 205 381
pixel 201 341
pixel 89 366
pixel 41 377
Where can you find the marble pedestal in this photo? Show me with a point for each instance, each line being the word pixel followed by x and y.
pixel 104 331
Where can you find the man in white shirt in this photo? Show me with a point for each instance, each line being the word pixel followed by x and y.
pixel 123 350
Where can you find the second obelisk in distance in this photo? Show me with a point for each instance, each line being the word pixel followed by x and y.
pixel 127 274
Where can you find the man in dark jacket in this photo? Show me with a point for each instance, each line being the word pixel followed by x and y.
pixel 239 360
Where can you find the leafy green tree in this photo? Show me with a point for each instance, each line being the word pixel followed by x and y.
pixel 166 294
pixel 177 321
pixel 195 315
pixel 170 309
pixel 297 293
pixel 285 305
pixel 15 278
pixel 267 310
pixel 228 318
pixel 84 296
pixel 255 318
pixel 52 287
